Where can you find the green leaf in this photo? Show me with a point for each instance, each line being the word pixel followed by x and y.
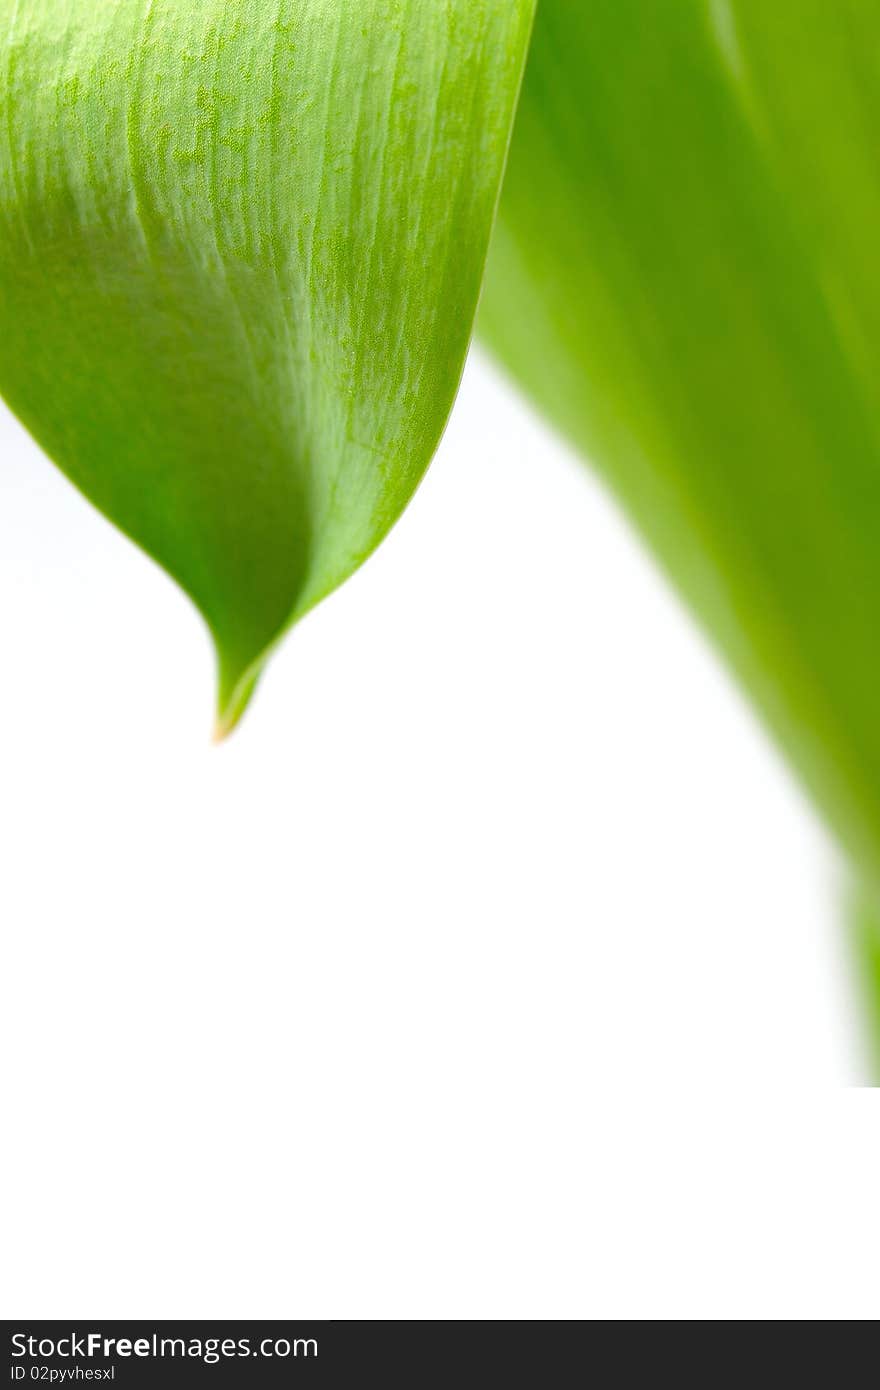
pixel 864 923
pixel 241 245
pixel 686 277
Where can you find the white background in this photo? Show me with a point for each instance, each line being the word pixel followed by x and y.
pixel 494 969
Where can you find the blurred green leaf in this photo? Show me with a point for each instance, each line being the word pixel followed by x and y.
pixel 241 245
pixel 686 277
pixel 865 942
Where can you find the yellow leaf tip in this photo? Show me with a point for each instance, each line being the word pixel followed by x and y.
pixel 224 725
pixel 236 687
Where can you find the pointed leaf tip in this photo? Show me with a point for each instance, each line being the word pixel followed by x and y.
pixel 235 690
pixel 241 245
